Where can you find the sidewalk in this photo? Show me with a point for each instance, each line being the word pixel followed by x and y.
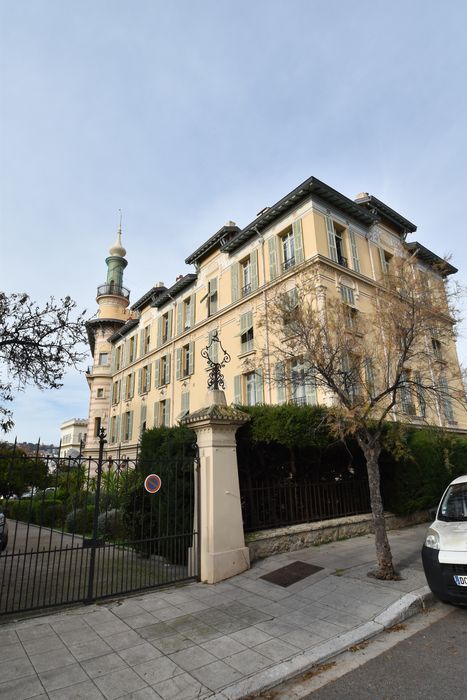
pixel 222 641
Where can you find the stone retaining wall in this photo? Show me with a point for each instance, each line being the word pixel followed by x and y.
pixel 288 539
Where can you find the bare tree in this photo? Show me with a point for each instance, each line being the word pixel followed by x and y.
pixel 392 358
pixel 37 345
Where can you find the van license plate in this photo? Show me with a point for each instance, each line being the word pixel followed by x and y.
pixel 461 580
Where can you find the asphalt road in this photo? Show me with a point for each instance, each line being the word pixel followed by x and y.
pixel 430 665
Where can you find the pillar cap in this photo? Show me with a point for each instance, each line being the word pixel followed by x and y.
pixel 216 413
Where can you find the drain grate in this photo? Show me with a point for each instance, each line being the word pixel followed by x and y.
pixel 292 573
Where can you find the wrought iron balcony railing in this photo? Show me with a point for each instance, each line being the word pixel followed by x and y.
pixel 114 289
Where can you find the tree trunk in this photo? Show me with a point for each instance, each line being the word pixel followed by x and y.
pixel 385 570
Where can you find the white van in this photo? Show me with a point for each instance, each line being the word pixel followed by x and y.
pixel 444 553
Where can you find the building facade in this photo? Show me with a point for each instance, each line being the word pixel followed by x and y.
pixel 73 436
pixel 147 366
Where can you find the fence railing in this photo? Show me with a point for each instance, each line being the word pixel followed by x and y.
pixel 278 504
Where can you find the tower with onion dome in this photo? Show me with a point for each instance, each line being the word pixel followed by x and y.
pixel 113 300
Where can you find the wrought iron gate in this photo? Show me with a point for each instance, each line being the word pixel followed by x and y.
pixel 87 528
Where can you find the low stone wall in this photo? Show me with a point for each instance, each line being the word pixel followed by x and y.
pixel 288 539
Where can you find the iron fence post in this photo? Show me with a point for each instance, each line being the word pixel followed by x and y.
pixel 92 562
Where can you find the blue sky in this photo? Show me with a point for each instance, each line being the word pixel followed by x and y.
pixel 187 114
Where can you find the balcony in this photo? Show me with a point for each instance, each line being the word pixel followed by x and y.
pixel 114 290
pixel 287 264
pixel 246 290
pixel 342 261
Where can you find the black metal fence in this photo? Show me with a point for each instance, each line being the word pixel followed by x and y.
pixel 278 504
pixel 86 528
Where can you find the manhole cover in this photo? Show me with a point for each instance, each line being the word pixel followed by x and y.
pixel 292 573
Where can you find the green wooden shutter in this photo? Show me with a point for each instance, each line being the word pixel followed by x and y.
pixel 383 261
pixel 298 241
pixel 272 250
pixel 180 306
pixel 234 280
pixel 130 425
pixel 148 380
pixel 141 343
pixel 168 373
pixel 119 387
pixel 178 363
pixel 156 414
pixel 167 413
pixel 280 382
pixel 169 323
pixel 354 251
pixel 192 310
pixel 191 358
pixel 157 373
pixel 331 239
pixel 185 401
pixel 238 389
pixel 122 428
pixel 254 269
pixel 213 296
pixel 259 386
pixel 142 416
pixel 140 381
pixel 132 385
pixel 159 331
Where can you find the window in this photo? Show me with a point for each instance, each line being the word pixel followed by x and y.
pixel 244 276
pixel 162 371
pixel 114 428
pixel 129 387
pixel 142 419
pixel 116 392
pixel 144 379
pixel 185 361
pixel 445 400
pixel 246 332
pixel 212 296
pixel 165 328
pixel 286 250
pixel 186 314
pixel 103 358
pixel 347 295
pixel 300 386
pixel 127 426
pixel 407 405
pixel 132 349
pixel 335 234
pixel 97 426
pixel 384 259
pixel 290 308
pixel 351 381
pixel 118 357
pixel 100 393
pixel 437 349
pixel 248 388
pixel 162 413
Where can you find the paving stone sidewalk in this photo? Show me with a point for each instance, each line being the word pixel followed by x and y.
pixel 219 641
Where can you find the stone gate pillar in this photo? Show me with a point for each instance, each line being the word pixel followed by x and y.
pixel 221 540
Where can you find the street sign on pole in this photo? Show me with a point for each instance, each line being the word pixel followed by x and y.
pixel 152 483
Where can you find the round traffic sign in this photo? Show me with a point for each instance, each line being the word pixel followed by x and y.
pixel 152 483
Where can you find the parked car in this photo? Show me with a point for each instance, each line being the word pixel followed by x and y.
pixel 3 531
pixel 444 553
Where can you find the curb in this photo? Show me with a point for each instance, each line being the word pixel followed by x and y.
pixel 408 605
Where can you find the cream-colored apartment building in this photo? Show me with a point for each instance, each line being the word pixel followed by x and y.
pixel 147 366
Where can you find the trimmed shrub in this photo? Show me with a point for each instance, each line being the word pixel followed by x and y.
pixel 80 520
pixel 111 526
